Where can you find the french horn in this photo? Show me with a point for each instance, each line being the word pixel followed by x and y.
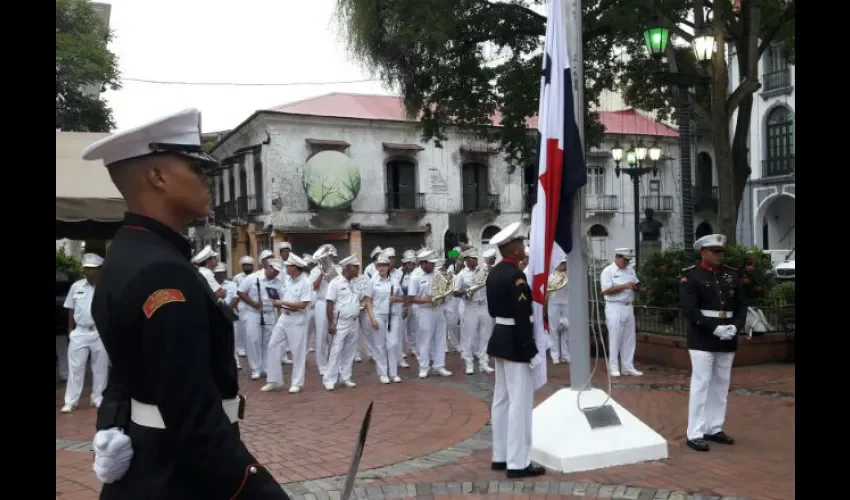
pixel 442 285
pixel 557 280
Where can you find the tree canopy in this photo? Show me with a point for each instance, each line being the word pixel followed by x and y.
pixel 458 62
pixel 84 68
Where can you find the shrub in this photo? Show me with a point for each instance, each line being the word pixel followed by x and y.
pixel 662 272
pixel 784 294
pixel 68 264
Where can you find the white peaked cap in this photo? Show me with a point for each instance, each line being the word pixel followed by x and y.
pixel 625 252
pixel 710 241
pixel 408 256
pixel 276 264
pixel 351 260
pixel 221 268
pixel 507 235
pixel 296 261
pixel 92 260
pixel 389 252
pixel 375 251
pixel 247 260
pixel 285 245
pixel 182 128
pixel 382 259
pixel 471 253
pixel 490 253
pixel 425 254
pixel 203 255
pixel 265 254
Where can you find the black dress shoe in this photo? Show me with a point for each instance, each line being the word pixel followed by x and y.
pixel 530 471
pixel 498 465
pixel 697 444
pixel 720 437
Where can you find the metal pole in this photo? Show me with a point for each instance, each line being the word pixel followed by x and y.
pixel 684 108
pixel 577 265
pixel 636 186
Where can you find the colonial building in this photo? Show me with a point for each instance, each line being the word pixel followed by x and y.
pixel 351 170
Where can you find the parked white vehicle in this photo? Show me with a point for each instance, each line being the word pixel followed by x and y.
pixel 785 270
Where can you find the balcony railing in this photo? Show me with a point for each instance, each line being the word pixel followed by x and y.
pixel 248 205
pixel 782 165
pixel 602 202
pixel 240 208
pixel 478 202
pixel 776 80
pixel 705 198
pixel 401 200
pixel 657 202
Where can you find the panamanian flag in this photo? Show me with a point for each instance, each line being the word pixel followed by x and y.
pixel 561 173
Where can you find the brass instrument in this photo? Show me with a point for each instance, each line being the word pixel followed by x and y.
pixel 323 258
pixel 479 279
pixel 442 285
pixel 359 286
pixel 557 280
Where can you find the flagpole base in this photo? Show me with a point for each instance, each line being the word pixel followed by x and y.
pixel 567 439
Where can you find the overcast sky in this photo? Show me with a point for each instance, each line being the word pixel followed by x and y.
pixel 250 41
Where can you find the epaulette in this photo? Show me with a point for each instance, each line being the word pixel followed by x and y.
pixel 688 268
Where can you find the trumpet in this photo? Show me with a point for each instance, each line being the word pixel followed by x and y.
pixel 557 280
pixel 323 257
pixel 480 280
pixel 442 285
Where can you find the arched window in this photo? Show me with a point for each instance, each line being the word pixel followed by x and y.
pixel 704 175
pixel 488 233
pixel 597 231
pixel 779 157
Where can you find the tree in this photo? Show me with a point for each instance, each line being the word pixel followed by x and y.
pixel 83 63
pixel 436 54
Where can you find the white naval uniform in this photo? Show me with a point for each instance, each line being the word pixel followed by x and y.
pixel 311 316
pixel 258 326
pixel 398 275
pixel 365 341
pixel 476 325
pixel 452 310
pixel 210 277
pixel 620 317
pixel 239 326
pixel 84 341
pixel 409 334
pixel 320 310
pixel 291 330
pixel 346 311
pixel 386 338
pixel 430 325
pixel 230 289
pixel 370 270
pixel 559 337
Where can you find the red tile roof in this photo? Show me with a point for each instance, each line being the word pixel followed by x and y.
pixel 390 108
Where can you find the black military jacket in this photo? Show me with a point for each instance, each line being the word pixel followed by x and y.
pixel 171 346
pixel 509 296
pixel 702 288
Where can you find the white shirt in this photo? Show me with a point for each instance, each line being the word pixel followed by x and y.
pixel 249 287
pixel 210 277
pixel 612 276
pixel 345 298
pixel 382 290
pixel 238 279
pixel 418 271
pixel 79 300
pixel 322 291
pixel 299 289
pixel 466 279
pixel 420 286
pixel 371 270
pixel 230 289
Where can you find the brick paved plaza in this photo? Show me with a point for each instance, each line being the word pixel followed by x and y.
pixel 431 439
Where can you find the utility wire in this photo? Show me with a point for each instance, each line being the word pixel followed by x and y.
pixel 240 84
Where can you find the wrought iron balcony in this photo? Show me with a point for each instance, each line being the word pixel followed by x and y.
pixel 602 202
pixel 776 80
pixel 242 207
pixel 705 198
pixel 403 200
pixel 480 202
pixel 249 205
pixel 781 165
pixel 657 202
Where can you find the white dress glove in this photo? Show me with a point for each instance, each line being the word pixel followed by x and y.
pixel 535 361
pixel 720 332
pixel 565 323
pixel 113 453
pixel 729 332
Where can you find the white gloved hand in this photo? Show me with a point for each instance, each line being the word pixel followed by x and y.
pixel 732 329
pixel 113 453
pixel 535 361
pixel 720 331
pixel 565 323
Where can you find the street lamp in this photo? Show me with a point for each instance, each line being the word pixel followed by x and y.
pixel 705 45
pixel 640 152
pixel 634 157
pixel 656 38
pixel 655 155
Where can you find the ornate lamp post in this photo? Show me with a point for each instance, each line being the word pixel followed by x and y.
pixel 635 157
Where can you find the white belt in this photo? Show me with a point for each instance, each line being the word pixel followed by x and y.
pixel 287 312
pixel 148 415
pixel 90 328
pixel 717 314
pixel 509 321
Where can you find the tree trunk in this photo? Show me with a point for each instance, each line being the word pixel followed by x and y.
pixel 727 206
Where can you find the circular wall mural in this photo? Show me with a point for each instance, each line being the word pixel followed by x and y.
pixel 331 180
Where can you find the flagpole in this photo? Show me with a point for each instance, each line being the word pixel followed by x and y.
pixel 577 265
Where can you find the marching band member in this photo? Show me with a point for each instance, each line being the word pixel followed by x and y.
pixel 476 323
pixel 319 279
pixel 451 311
pixel 311 310
pixel 557 307
pixel 370 270
pixel 258 291
pixel 247 263
pixel 343 311
pixel 619 282
pixel 206 260
pixel 230 300
pixel 430 319
pixel 408 263
pixel 291 327
pixel 387 299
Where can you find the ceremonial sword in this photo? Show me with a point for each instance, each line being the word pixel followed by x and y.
pixel 348 487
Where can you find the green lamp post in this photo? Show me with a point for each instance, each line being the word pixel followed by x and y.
pixel 656 38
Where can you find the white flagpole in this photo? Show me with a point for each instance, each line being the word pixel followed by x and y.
pixel 577 266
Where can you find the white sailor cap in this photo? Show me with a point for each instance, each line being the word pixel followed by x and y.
pixel 382 259
pixel 178 133
pixel 472 253
pixel 389 252
pixel 351 260
pixel 285 246
pixel 625 252
pixel 408 256
pixel 221 268
pixel 296 261
pixel 437 261
pixel 276 264
pixel 206 253
pixel 247 260
pixel 308 259
pixel 375 251
pixel 710 241
pixel 92 260
pixel 425 254
pixel 490 253
pixel 265 254
pixel 507 235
